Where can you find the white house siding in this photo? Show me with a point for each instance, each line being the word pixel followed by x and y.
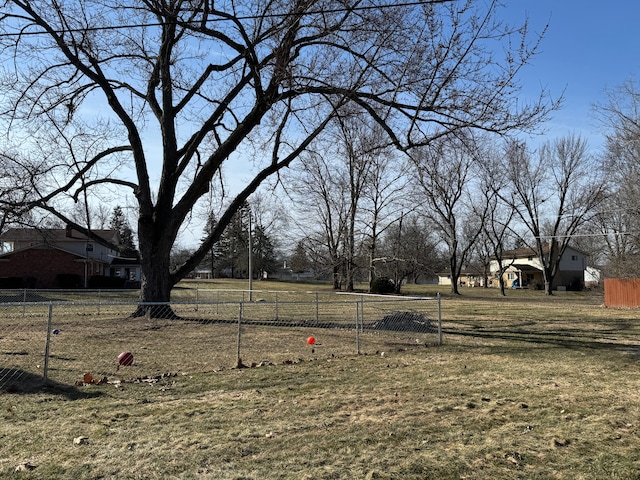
pixel 570 269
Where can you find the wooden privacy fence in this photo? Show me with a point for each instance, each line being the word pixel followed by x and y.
pixel 622 292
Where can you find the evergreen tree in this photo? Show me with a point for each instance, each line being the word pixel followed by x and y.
pixel 214 258
pixel 264 256
pixel 232 250
pixel 126 246
pixel 300 260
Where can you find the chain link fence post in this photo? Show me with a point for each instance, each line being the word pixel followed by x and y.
pixel 47 345
pixel 358 324
pixel 439 321
pixel 238 356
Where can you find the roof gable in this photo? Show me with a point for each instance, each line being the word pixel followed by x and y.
pixel 531 252
pixel 52 236
pixel 44 246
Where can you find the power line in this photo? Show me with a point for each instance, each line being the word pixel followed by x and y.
pixel 600 234
pixel 238 18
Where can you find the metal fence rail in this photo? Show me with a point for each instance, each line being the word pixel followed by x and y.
pixel 61 341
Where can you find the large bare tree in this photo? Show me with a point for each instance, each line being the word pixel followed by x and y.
pixel 155 98
pixel 447 178
pixel 358 152
pixel 385 199
pixel 346 191
pixel 618 219
pixel 320 191
pixel 498 232
pixel 554 193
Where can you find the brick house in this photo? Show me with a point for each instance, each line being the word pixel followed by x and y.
pixel 57 258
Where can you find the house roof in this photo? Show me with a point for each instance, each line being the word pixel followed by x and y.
pixel 465 273
pixel 125 261
pixel 53 235
pixel 525 267
pixel 530 252
pixel 44 246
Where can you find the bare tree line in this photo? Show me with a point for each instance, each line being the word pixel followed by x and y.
pixel 478 197
pixel 473 198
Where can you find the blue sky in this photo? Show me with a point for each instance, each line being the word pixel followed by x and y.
pixel 588 47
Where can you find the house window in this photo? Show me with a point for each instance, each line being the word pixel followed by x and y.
pixel 574 258
pixel 89 247
pixel 511 276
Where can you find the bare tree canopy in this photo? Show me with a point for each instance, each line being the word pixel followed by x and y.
pixel 618 219
pixel 554 194
pixel 158 98
pixel 446 179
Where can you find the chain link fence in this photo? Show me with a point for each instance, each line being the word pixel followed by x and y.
pixel 77 337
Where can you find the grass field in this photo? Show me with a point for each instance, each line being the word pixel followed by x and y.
pixel 524 387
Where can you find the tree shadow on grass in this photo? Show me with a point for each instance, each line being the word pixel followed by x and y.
pixel 28 297
pixel 20 382
pixel 614 339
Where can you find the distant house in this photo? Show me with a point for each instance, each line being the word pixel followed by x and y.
pixel 127 269
pixel 466 279
pixel 201 274
pixel 524 270
pixel 60 258
pixel 592 277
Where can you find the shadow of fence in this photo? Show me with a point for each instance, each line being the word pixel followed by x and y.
pixel 614 339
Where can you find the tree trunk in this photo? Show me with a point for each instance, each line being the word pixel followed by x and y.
pixel 349 264
pixel 372 271
pixel 156 284
pixel 337 283
pixel 453 270
pixel 548 272
pixel 501 270
pixel 454 285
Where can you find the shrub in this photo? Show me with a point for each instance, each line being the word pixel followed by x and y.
pixel 11 282
pixel 382 285
pixel 68 280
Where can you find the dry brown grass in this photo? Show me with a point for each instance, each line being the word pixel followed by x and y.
pixel 524 387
